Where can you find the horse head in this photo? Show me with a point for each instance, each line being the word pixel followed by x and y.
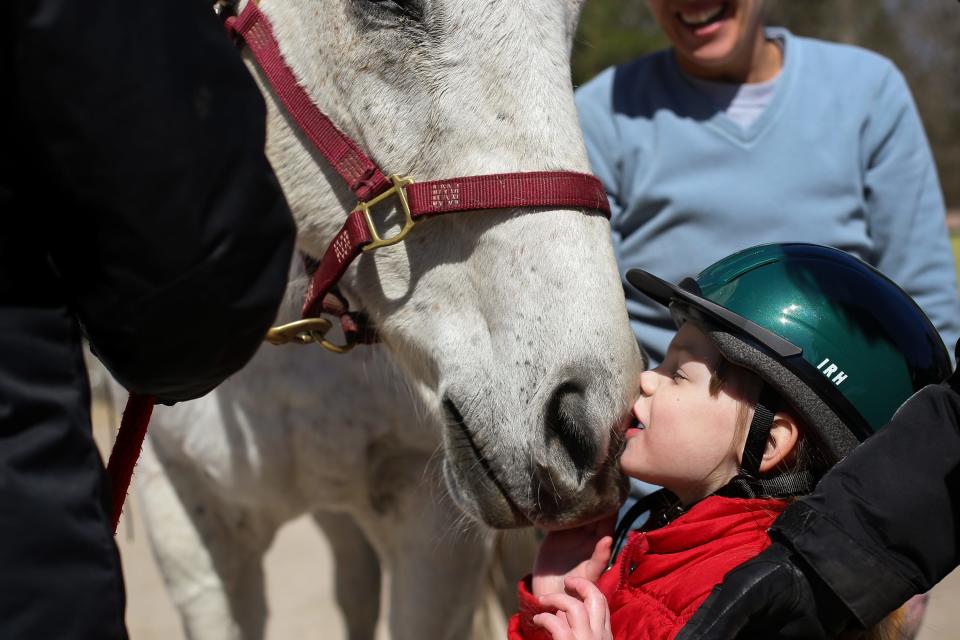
pixel 510 323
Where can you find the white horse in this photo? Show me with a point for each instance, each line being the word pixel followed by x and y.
pixel 507 362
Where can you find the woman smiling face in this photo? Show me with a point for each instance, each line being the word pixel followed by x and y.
pixel 718 39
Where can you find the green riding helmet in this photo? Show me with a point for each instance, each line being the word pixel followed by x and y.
pixel 838 340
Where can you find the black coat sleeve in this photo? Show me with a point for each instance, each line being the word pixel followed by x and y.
pixel 883 524
pixel 143 138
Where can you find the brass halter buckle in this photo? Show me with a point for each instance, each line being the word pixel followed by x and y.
pixel 399 189
pixel 307 331
pixel 314 330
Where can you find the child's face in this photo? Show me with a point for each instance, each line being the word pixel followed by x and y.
pixel 708 35
pixel 689 440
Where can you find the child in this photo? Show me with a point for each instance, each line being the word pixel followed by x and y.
pixel 786 357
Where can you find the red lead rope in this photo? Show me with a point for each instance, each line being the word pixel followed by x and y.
pixel 126 450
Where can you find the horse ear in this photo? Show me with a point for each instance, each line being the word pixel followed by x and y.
pixel 781 442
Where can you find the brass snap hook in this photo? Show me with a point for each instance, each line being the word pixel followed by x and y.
pixel 307 331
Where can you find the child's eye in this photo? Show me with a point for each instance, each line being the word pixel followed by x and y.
pixel 678 375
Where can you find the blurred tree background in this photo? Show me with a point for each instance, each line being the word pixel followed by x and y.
pixel 921 36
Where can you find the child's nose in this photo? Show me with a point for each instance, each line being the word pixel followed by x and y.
pixel 649 381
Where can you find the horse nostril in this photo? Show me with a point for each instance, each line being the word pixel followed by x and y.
pixel 566 420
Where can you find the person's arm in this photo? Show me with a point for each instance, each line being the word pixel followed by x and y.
pixel 883 526
pixel 904 204
pixel 880 527
pixel 166 223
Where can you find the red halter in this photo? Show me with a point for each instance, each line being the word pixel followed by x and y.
pixel 417 200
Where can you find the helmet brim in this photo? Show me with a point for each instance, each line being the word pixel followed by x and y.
pixel 686 293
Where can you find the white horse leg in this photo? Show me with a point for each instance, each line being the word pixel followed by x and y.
pixel 434 560
pixel 436 583
pixel 356 573
pixel 210 553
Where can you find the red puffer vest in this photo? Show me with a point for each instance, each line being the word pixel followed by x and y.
pixel 662 576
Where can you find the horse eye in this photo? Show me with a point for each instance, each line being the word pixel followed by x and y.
pixel 407 8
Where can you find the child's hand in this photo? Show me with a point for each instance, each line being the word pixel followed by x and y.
pixel 582 613
pixel 582 552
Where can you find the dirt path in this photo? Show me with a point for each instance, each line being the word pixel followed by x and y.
pixel 298 587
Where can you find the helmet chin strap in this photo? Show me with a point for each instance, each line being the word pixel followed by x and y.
pixel 748 482
pixel 763 414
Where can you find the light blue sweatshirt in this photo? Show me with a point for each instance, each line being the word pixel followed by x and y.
pixel 838 157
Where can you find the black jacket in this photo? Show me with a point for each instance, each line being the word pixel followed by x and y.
pixel 884 524
pixel 136 203
pixel 880 527
pixel 134 197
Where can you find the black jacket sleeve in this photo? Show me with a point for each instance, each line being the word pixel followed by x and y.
pixel 883 524
pixel 142 137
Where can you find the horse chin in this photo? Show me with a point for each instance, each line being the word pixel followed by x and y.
pixel 482 496
pixel 484 501
pixel 598 499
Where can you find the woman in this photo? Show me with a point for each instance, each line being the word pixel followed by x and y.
pixel 739 135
